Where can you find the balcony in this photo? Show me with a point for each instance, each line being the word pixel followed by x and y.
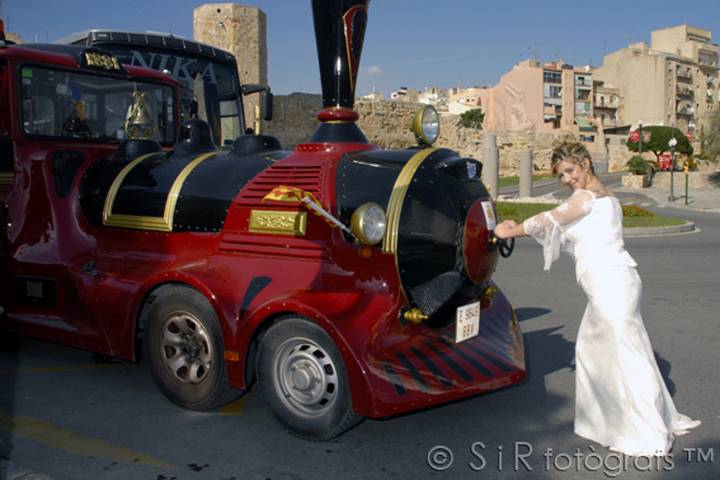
pixel 685 111
pixel 683 74
pixel 583 82
pixel 549 110
pixel 686 92
pixel 606 106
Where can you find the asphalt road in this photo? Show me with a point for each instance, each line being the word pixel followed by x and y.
pixel 69 416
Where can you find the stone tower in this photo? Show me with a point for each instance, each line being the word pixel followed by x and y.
pixel 241 31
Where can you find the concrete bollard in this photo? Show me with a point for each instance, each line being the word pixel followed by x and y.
pixel 600 162
pixel 490 165
pixel 526 171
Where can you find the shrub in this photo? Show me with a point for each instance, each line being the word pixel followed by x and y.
pixel 635 211
pixel 472 118
pixel 638 165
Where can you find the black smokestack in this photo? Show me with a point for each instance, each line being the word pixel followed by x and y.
pixel 339 32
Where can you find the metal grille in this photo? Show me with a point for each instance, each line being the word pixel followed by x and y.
pixel 433 294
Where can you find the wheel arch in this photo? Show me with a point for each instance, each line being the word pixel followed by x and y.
pixel 150 292
pixel 357 376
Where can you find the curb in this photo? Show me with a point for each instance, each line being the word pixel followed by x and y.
pixel 662 201
pixel 13 471
pixel 516 188
pixel 687 227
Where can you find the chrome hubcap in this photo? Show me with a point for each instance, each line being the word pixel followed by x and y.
pixel 305 376
pixel 186 348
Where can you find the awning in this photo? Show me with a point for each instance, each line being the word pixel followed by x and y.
pixel 584 124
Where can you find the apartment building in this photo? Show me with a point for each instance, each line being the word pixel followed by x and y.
pixel 536 96
pixel 433 96
pixel 405 94
pixel 673 81
pixel 373 97
pixel 460 100
pixel 607 105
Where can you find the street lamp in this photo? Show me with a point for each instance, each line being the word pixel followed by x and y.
pixel 672 143
pixel 640 125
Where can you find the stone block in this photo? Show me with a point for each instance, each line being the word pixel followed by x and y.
pixel 630 180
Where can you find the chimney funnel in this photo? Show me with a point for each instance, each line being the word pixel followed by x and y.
pixel 339 33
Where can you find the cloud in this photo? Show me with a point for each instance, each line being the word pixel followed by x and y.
pixel 372 70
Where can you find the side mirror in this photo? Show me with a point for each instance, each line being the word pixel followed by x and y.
pixel 266 98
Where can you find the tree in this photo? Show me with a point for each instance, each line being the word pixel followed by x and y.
pixel 656 138
pixel 472 118
pixel 710 138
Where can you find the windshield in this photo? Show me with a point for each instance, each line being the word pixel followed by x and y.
pixel 212 84
pixel 72 105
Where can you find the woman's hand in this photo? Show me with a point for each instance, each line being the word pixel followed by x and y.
pixel 504 229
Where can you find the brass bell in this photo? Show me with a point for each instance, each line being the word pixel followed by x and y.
pixel 138 123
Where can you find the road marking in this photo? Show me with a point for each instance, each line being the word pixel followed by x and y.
pixel 64 368
pixel 74 443
pixel 233 409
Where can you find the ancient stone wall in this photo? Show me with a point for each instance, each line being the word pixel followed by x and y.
pixel 387 124
pixel 294 118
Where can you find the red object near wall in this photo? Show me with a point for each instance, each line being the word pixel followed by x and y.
pixel 665 161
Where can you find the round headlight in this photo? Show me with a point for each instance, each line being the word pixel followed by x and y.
pixel 426 125
pixel 368 223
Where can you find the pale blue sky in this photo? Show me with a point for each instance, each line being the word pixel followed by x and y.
pixel 414 43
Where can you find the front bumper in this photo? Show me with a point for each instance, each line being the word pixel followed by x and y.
pixel 423 366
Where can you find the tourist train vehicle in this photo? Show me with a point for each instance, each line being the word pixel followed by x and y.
pixel 207 75
pixel 346 281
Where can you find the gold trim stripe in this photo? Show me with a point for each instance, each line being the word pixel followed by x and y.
pixel 115 187
pixel 397 198
pixel 178 184
pixel 348 38
pixel 160 224
pixel 7 178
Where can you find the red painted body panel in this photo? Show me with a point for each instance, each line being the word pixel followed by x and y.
pixel 105 275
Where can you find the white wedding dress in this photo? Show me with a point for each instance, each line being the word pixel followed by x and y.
pixel 621 400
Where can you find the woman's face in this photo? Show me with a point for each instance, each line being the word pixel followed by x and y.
pixel 572 174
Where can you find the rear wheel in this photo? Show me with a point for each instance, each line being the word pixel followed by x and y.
pixel 184 344
pixel 303 380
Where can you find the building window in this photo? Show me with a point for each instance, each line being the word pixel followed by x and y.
pixel 552 77
pixel 582 80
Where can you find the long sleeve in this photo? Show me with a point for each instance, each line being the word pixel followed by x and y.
pixel 547 227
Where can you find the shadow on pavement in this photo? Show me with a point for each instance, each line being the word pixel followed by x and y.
pixel 9 360
pixel 665 367
pixel 526 313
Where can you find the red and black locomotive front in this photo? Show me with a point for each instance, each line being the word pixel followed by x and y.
pixel 348 280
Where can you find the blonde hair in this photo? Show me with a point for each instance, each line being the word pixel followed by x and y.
pixel 574 152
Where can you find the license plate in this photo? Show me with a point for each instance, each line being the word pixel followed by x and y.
pixel 467 321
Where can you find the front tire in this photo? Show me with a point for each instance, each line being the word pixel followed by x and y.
pixel 184 345
pixel 303 380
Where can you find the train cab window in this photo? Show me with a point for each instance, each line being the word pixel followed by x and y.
pixel 71 105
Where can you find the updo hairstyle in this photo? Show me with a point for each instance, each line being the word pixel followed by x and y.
pixel 574 152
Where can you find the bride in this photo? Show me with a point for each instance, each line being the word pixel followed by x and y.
pixel 621 400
